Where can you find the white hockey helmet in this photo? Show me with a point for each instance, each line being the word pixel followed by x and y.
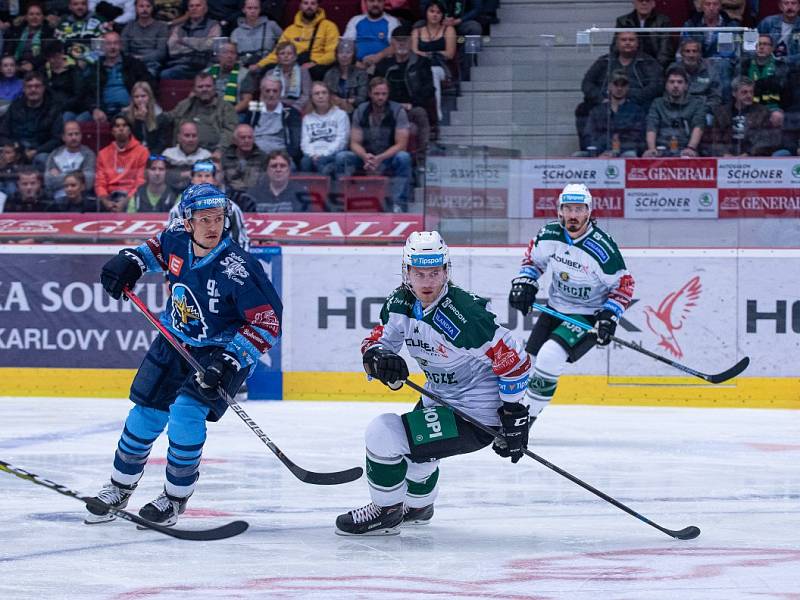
pixel 575 193
pixel 425 249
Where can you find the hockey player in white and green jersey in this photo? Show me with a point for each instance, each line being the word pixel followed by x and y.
pixel 469 360
pixel 589 282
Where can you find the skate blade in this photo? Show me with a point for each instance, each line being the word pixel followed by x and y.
pixel 380 531
pixel 99 519
pixel 415 522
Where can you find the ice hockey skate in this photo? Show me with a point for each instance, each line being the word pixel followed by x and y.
pixel 113 495
pixel 417 516
pixel 164 510
pixel 371 520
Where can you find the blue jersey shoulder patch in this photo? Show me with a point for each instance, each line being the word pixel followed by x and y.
pixel 596 249
pixel 445 324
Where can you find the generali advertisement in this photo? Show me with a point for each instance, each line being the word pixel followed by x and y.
pixel 640 188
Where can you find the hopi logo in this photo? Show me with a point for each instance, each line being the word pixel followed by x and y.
pixel 668 318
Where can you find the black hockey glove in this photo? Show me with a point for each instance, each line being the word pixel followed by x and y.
pixel 385 366
pixel 515 420
pixel 523 293
pixel 121 271
pixel 605 325
pixel 220 372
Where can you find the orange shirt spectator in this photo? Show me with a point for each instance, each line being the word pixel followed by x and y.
pixel 120 167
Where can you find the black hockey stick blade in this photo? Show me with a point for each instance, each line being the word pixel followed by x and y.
pixel 730 373
pixel 687 533
pixel 335 478
pixel 204 535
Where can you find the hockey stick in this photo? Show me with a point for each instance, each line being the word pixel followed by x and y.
pixel 204 535
pixel 715 378
pixel 687 533
pixel 303 475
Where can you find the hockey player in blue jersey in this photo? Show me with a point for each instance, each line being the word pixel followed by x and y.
pixel 224 309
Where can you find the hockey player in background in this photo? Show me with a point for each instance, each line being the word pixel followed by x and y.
pixel 469 360
pixel 589 282
pixel 223 308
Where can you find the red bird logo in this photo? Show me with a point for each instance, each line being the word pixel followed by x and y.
pixel 671 314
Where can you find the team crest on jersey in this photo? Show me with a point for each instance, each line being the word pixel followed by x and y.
pixel 187 316
pixel 564 276
pixel 233 267
pixel 446 325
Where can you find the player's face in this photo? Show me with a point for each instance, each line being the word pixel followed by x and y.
pixel 207 226
pixel 575 218
pixel 427 283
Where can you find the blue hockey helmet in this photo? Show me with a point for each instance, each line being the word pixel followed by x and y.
pixel 200 197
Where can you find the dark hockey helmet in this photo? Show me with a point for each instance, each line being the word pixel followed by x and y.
pixel 200 197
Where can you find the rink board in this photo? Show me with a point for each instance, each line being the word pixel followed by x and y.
pixel 705 308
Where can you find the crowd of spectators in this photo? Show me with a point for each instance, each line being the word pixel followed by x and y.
pixel 697 94
pixel 361 97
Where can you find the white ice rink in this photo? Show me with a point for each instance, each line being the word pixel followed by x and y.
pixel 501 531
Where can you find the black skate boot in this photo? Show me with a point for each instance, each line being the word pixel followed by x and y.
pixel 371 520
pixel 112 494
pixel 164 510
pixel 417 516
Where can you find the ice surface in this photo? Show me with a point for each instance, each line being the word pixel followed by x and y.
pixel 500 530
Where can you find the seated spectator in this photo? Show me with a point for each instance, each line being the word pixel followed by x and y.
pixel 346 82
pixel 190 43
pixel 10 84
pixel 712 15
pixel 784 29
pixel 615 127
pixel 675 121
pixel 378 141
pixel 145 38
pixel 115 12
pixel 461 14
pixel 78 28
pixel 276 127
pixel 30 195
pixel 33 121
pixel 274 191
pixel 215 119
pixel 371 33
pixel 704 80
pixel 743 127
pixel 231 79
pixel 437 42
pixel 295 81
pixel 741 10
pixel 72 156
pixel 242 161
pixel 326 132
pixel 112 79
pixel 182 156
pixel 154 195
pixel 314 38
pixel 256 35
pixel 10 161
pixel 770 77
pixel 120 167
pixel 66 83
pixel 26 41
pixel 644 75
pixel 76 198
pixel 410 82
pixel 151 125
pixel 659 46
